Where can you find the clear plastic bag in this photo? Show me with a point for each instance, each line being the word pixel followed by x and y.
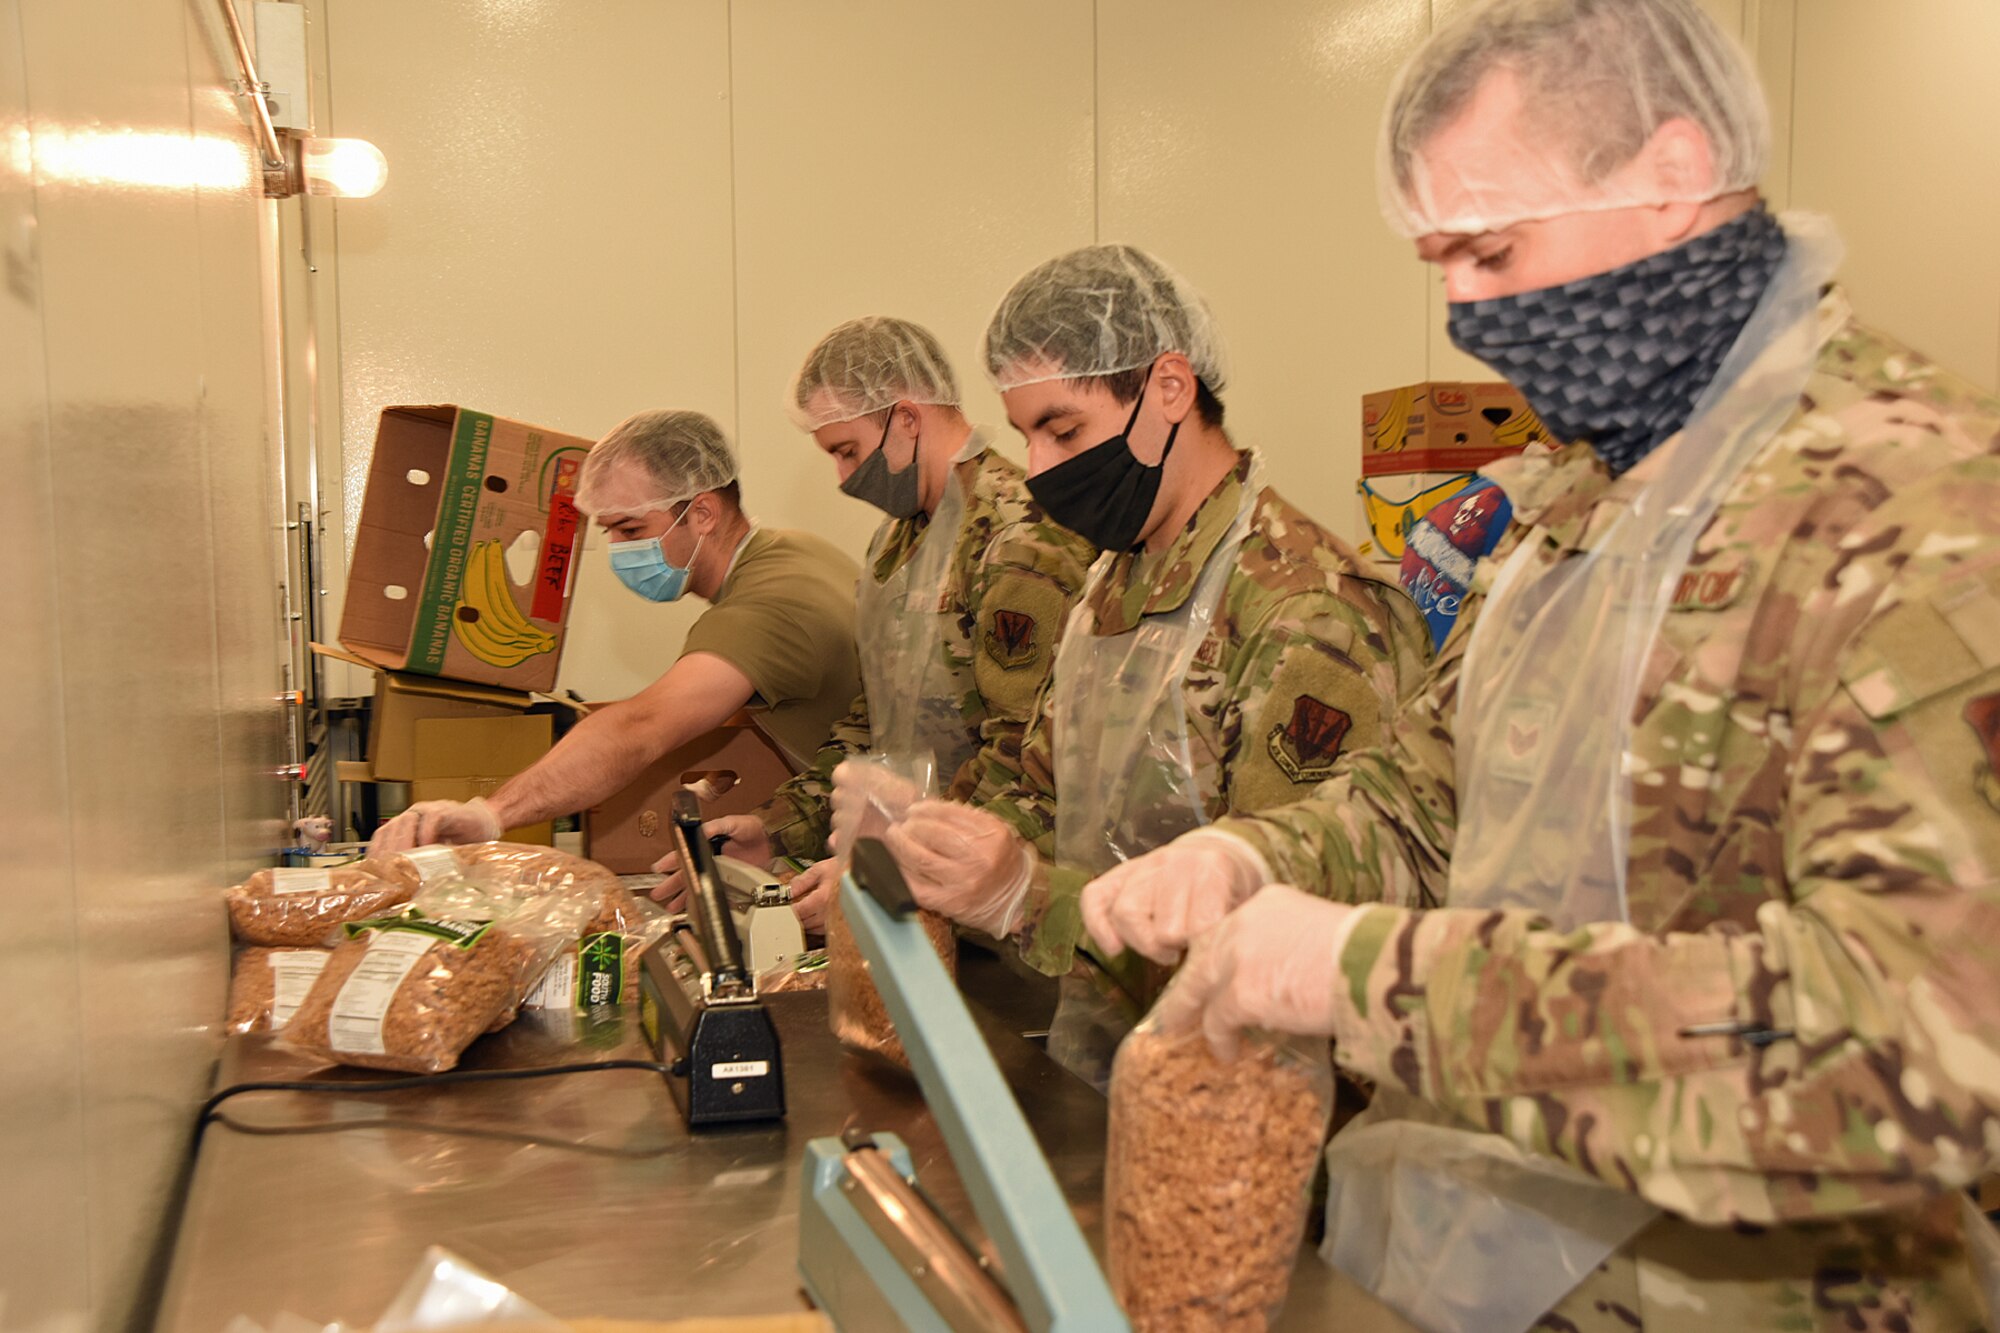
pixel 292 907
pixel 600 967
pixel 854 1006
pixel 1208 1176
pixel 412 991
pixel 267 986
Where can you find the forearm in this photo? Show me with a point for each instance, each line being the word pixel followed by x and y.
pixel 600 756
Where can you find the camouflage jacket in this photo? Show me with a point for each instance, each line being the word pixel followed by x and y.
pixel 1013 578
pixel 1813 858
pixel 1306 658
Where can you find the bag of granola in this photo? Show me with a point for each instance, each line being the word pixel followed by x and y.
pixel 854 1006
pixel 1208 1175
pixel 601 966
pixel 300 906
pixel 411 991
pixel 267 986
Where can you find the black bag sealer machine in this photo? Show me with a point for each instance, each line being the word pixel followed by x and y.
pixel 698 1000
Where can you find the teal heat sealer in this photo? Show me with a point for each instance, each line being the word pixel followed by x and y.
pixel 873 1251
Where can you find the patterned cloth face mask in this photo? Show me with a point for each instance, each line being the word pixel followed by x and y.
pixel 1618 359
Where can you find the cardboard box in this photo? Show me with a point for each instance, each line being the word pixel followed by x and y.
pixel 1388 506
pixel 1443 427
pixel 458 758
pixel 402 701
pixel 462 561
pixel 629 831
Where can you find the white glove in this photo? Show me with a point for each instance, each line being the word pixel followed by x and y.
pixel 429 822
pixel 748 841
pixel 812 895
pixel 1156 903
pixel 867 798
pixel 1273 964
pixel 964 863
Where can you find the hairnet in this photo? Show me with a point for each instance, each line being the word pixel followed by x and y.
pixel 869 365
pixel 1596 79
pixel 676 456
pixel 1098 311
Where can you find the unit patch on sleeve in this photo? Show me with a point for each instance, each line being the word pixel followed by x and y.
pixel 1010 639
pixel 1983 714
pixel 1306 745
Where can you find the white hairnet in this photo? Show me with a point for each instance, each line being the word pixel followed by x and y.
pixel 1098 311
pixel 1596 78
pixel 869 365
pixel 675 456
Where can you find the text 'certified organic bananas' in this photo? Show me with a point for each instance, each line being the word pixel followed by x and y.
pixel 487 620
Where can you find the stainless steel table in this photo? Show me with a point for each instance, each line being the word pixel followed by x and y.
pixel 584 1192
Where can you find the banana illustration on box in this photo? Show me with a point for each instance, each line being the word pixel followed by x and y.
pixel 1520 430
pixel 487 620
pixel 1392 430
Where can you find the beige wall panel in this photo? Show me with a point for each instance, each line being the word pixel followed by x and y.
pixel 1241 148
pixel 553 243
pixel 153 511
pixel 44 1279
pixel 893 157
pixel 1893 134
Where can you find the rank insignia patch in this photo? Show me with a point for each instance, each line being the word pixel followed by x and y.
pixel 1010 640
pixel 1306 745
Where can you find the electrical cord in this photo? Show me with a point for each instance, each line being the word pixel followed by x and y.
pixel 209 1107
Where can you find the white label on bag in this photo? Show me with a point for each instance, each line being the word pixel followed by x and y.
pixel 557 988
pixel 741 1069
pixel 356 1022
pixel 300 879
pixel 293 972
pixel 433 863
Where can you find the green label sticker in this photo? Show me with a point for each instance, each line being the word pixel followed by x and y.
pixel 600 969
pixel 463 934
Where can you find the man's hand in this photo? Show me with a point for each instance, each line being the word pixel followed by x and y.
pixel 1271 964
pixel 428 822
pixel 964 863
pixel 1156 903
pixel 812 895
pixel 748 841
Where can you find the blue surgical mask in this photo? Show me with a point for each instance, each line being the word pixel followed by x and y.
pixel 643 566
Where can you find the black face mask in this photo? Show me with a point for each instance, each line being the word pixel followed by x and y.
pixel 1105 494
pixel 894 493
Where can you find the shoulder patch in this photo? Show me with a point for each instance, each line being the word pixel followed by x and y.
pixel 1306 745
pixel 1983 716
pixel 1011 638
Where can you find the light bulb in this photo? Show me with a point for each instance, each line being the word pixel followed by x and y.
pixel 343 168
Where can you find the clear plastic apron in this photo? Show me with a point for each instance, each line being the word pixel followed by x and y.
pixel 1125 777
pixel 915 694
pixel 1456 1228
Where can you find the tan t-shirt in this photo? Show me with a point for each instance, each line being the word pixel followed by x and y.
pixel 785 618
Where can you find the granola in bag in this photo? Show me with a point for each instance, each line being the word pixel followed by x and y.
pixel 1208 1176
pixel 854 1006
pixel 267 986
pixel 299 906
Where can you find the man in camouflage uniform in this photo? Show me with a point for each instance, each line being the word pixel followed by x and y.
pixel 1790 1044
pixel 1284 650
pixel 878 396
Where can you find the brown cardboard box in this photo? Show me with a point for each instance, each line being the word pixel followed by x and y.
pixel 1390 505
pixel 628 832
pixel 462 561
pixel 403 700
pixel 1443 427
pixel 458 758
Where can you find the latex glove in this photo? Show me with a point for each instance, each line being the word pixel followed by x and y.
pixel 748 841
pixel 964 863
pixel 1273 964
pixel 1154 904
pixel 812 895
pixel 867 798
pixel 429 822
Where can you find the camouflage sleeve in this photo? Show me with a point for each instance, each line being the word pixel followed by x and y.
pixel 799 814
pixel 1024 586
pixel 1844 1055
pixel 1312 678
pixel 1379 828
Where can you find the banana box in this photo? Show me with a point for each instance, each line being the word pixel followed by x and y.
pixel 1440 427
pixel 463 561
pixel 1391 506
